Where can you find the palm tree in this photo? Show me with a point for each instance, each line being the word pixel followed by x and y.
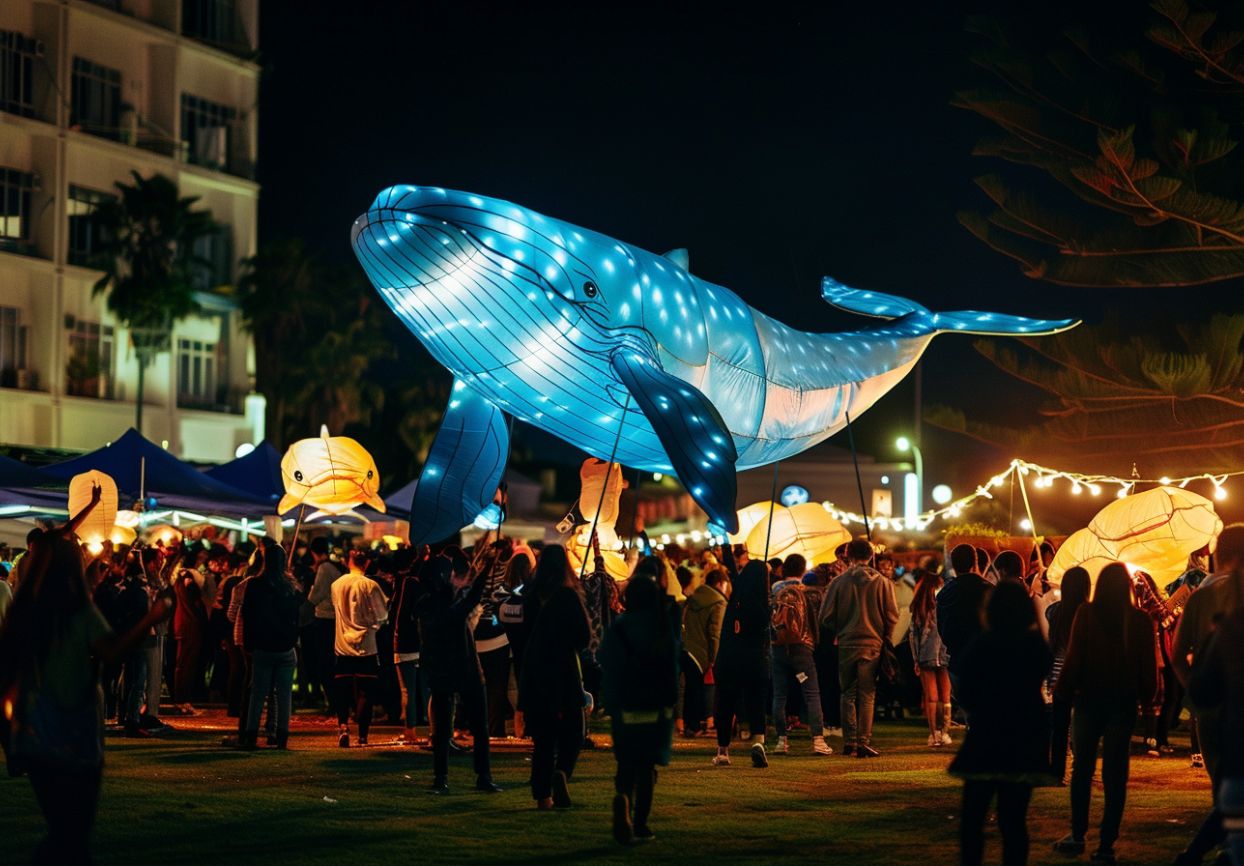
pixel 148 235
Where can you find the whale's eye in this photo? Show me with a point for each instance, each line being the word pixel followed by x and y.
pixel 589 289
pixel 369 474
pixel 297 474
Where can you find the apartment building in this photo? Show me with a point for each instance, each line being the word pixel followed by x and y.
pixel 90 92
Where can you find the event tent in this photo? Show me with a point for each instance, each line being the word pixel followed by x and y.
pixel 257 473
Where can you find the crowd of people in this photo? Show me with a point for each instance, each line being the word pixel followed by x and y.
pixel 509 640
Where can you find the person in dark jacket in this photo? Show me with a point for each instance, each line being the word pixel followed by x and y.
pixel 550 693
pixel 491 640
pixel 639 662
pixel 1005 752
pixel 448 658
pixel 959 606
pixel 1217 682
pixel 269 632
pixel 743 666
pixel 189 626
pixel 132 604
pixel 407 591
pixel 1061 614
pixel 1109 670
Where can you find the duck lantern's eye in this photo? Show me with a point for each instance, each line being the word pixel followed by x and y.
pixel 370 474
pixel 297 474
pixel 589 289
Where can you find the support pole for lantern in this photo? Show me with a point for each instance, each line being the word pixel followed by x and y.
pixel 859 484
pixel 772 504
pixel 293 542
pixel 608 472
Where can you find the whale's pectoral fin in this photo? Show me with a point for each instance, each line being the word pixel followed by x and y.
pixel 691 430
pixel 463 468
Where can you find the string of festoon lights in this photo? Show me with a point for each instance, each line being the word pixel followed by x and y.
pixel 1042 477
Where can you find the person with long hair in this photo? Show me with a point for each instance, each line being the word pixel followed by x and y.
pixel 931 658
pixel 51 646
pixel 1061 614
pixel 743 663
pixel 550 691
pixel 1109 671
pixel 639 662
pixel 269 631
pixel 1004 754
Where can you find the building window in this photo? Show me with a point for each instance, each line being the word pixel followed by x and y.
pixel 85 236
pixel 17 54
pixel 96 102
pixel 216 22
pixel 16 188
pixel 207 130
pixel 12 348
pixel 196 372
pixel 91 349
pixel 213 253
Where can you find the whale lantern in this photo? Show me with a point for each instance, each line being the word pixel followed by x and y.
pixel 595 340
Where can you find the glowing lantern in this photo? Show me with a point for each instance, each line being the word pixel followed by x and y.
pixel 749 516
pixel 122 535
pixel 600 482
pixel 331 473
pixel 98 524
pixel 806 529
pixel 1154 532
pixel 618 351
pixel 164 534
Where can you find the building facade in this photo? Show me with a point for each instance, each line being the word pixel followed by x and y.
pixel 89 93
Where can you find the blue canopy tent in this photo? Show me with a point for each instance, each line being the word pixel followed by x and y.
pixel 257 473
pixel 138 465
pixel 14 473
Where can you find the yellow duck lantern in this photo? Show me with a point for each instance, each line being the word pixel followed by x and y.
pixel 332 474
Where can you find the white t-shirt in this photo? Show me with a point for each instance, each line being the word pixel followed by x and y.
pixel 360 608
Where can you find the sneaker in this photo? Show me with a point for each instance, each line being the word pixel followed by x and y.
pixel 820 747
pixel 343 741
pixel 362 741
pixel 848 750
pixel 946 740
pixel 561 791
pixel 759 759
pixel 1151 748
pixel 1070 846
pixel 1198 761
pixel 643 834
pixel 863 750
pixel 721 759
pixel 439 787
pixel 135 731
pixel 1104 854
pixel 545 805
pixel 935 740
pixel 782 747
pixel 622 832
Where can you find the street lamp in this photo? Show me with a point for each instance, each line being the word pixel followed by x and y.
pixel 913 487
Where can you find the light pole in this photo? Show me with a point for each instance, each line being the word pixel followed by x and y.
pixel 913 503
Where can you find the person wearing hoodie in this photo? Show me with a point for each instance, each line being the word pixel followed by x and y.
pixel 639 663
pixel 860 610
pixel 959 606
pixel 795 633
pixel 448 656
pixel 742 666
pixel 702 618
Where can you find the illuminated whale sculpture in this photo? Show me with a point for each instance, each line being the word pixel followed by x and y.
pixel 597 341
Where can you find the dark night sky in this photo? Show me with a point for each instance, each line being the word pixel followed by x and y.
pixel 777 145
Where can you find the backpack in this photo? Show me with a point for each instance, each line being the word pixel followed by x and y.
pixel 789 618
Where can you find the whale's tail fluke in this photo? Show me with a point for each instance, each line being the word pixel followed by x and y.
pixel 883 306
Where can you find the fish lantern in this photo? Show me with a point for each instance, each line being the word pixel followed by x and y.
pixel 97 527
pixel 749 516
pixel 601 485
pixel 618 351
pixel 1154 531
pixel 806 529
pixel 332 474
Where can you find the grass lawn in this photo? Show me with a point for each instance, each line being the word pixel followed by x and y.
pixel 185 799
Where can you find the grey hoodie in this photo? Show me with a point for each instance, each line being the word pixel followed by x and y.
pixel 860 610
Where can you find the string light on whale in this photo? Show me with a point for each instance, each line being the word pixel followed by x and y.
pixel 618 351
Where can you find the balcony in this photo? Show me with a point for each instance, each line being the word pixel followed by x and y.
pixel 23 379
pixel 227 401
pixel 216 23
